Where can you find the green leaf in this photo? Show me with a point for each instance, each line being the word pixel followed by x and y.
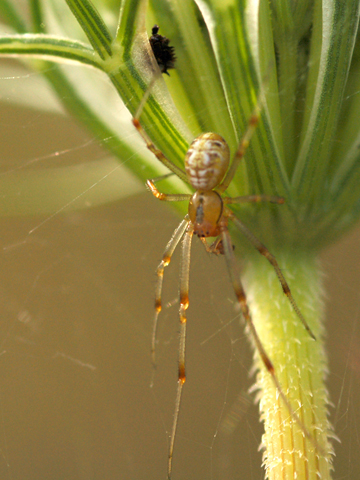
pixel 47 46
pixel 93 26
pixel 37 16
pixel 334 31
pixel 292 23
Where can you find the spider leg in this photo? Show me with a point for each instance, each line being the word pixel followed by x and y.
pixel 184 304
pixel 158 153
pixel 254 199
pixel 216 247
pixel 272 260
pixel 244 143
pixel 241 297
pixel 164 196
pixel 169 250
pixel 146 95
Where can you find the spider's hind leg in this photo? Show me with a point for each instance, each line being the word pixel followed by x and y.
pixel 241 297
pixel 272 260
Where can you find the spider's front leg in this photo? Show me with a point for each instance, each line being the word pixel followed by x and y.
pixel 165 196
pixel 157 152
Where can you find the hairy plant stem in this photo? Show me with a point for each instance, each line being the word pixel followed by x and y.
pixel 300 365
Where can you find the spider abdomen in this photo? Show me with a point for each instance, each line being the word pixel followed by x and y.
pixel 205 212
pixel 206 161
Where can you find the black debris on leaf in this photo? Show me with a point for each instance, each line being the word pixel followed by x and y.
pixel 163 53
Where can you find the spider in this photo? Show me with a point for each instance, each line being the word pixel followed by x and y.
pixel 209 171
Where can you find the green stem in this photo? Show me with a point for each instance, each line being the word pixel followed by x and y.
pixel 300 365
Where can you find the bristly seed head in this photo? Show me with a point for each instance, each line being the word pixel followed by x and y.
pixel 206 161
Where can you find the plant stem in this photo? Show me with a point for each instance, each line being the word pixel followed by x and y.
pixel 300 365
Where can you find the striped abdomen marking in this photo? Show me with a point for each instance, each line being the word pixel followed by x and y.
pixel 207 161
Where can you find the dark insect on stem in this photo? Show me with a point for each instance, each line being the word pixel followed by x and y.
pixel 163 52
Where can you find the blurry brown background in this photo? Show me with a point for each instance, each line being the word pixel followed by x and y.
pixel 75 327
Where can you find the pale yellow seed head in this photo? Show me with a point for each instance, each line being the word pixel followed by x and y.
pixel 207 161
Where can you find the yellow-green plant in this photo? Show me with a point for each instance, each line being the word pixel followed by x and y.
pixel 305 56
